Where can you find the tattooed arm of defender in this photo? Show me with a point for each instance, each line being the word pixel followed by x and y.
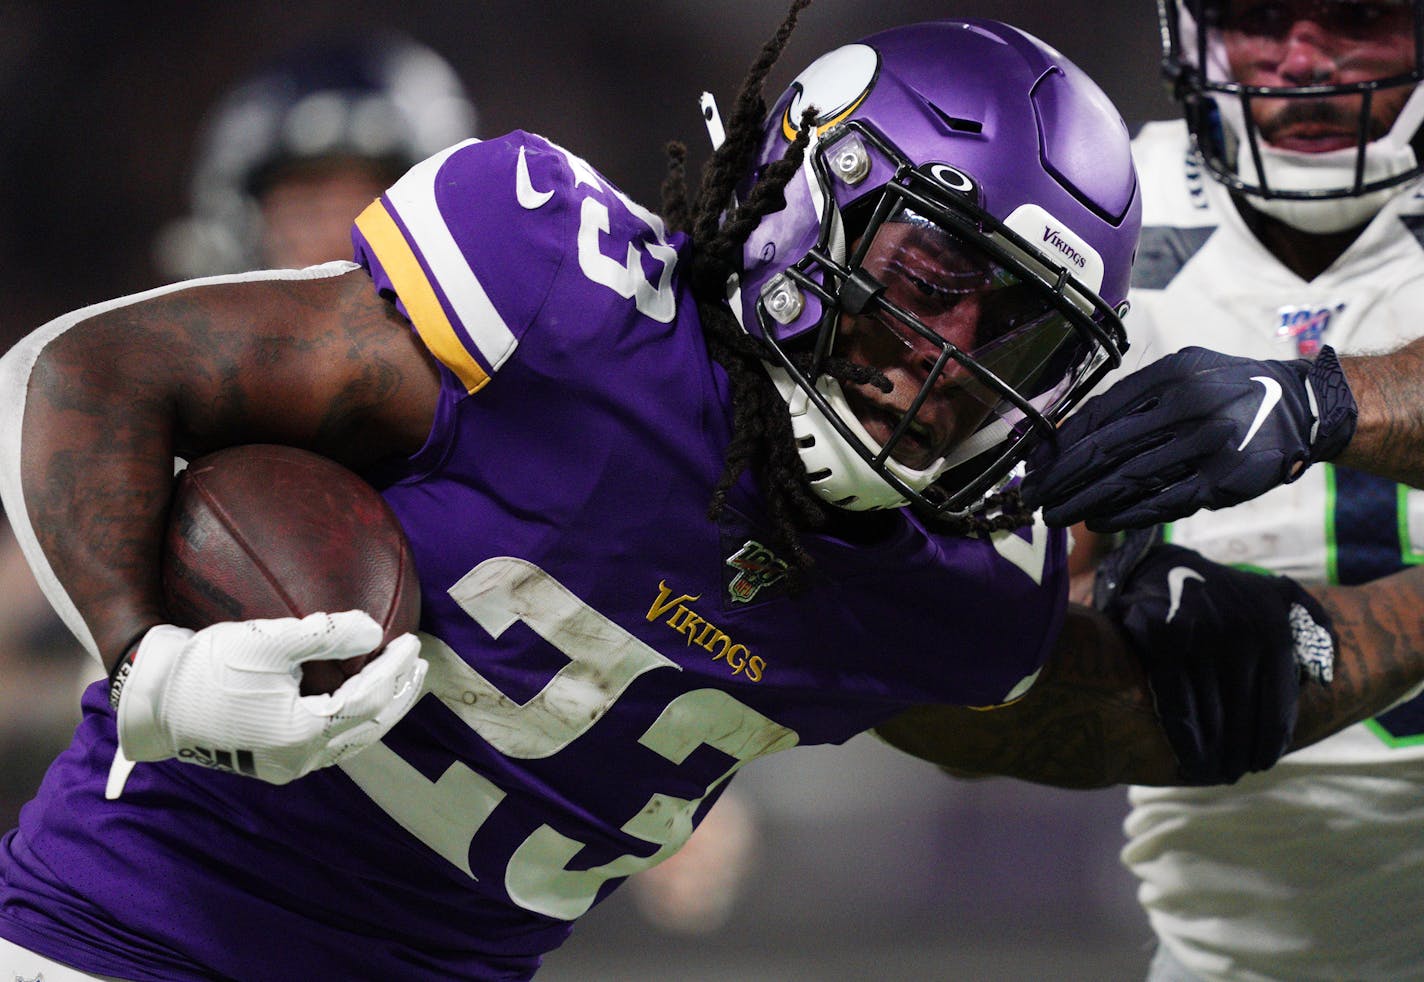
pixel 111 395
pixel 1088 721
pixel 1389 432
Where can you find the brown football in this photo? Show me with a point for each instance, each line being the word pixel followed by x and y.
pixel 263 531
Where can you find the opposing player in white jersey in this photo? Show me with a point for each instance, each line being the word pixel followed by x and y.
pixel 1277 229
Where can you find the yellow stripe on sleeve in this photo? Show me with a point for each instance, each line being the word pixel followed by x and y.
pixel 418 295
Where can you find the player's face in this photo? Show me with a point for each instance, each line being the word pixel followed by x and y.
pixel 962 297
pixel 307 212
pixel 1315 42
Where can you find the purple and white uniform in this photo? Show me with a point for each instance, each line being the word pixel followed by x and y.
pixel 603 657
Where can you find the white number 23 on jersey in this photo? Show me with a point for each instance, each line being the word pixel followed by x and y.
pixel 604 659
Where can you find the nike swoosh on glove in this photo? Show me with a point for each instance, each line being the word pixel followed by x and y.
pixel 1225 651
pixel 228 696
pixel 1196 429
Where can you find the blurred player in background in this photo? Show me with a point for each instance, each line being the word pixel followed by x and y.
pixel 663 526
pixel 292 154
pixel 286 160
pixel 1283 222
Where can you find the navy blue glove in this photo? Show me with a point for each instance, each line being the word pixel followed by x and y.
pixel 1197 429
pixel 1224 650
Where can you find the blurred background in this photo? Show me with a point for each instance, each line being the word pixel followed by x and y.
pixel 854 862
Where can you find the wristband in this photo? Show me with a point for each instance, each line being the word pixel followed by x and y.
pixel 1333 404
pixel 119 674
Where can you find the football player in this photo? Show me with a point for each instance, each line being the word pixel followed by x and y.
pixel 292 153
pixel 1282 219
pixel 681 495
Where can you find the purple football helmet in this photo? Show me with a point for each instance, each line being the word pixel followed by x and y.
pixel 1314 191
pixel 964 222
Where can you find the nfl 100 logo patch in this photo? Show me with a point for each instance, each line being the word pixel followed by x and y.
pixel 751 569
pixel 1306 325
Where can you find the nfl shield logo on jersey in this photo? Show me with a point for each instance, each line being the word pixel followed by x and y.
pixel 1307 325
pixel 757 568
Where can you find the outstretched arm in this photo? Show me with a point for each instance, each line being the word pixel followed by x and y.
pixel 1201 429
pixel 1379 655
pixel 102 406
pixel 1087 722
pixel 1389 433
pixel 1090 722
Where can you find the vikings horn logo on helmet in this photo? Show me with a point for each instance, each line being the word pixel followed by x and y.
pixel 835 84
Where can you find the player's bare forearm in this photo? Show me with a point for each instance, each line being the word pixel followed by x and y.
pixel 1089 721
pixel 1389 433
pixel 1380 655
pixel 317 363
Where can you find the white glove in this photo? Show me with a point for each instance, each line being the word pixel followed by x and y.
pixel 228 697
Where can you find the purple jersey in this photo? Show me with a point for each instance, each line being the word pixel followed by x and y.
pixel 603 657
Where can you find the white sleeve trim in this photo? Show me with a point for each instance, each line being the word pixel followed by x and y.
pixel 414 199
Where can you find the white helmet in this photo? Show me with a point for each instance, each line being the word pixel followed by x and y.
pixel 385 99
pixel 1320 192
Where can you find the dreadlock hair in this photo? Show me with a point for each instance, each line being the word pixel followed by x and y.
pixel 762 437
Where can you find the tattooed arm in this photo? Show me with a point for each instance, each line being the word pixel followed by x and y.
pixel 1088 721
pixel 1389 432
pixel 108 397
